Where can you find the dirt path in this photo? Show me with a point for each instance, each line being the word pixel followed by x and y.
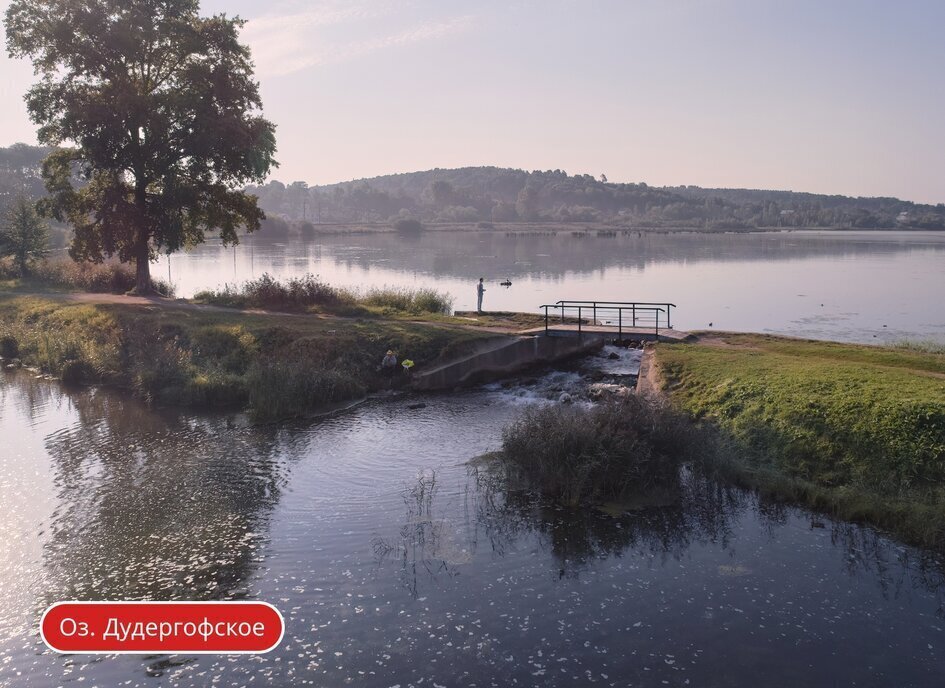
pixel 182 304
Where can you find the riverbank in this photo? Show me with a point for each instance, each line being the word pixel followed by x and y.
pixel 175 353
pixel 857 431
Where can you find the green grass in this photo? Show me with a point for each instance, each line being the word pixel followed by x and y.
pixel 274 365
pixel 856 430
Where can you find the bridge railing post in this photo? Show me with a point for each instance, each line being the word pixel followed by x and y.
pixel 620 323
pixel 579 320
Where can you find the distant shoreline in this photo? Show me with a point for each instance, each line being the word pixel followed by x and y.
pixel 300 228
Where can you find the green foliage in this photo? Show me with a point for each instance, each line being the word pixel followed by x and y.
pixel 166 121
pixel 574 454
pixel 24 236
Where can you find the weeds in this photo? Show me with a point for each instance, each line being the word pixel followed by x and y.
pixel 102 278
pixel 309 293
pixel 573 454
pixel 266 292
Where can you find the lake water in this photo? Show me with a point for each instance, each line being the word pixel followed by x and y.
pixel 395 562
pixel 871 287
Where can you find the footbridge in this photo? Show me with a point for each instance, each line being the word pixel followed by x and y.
pixel 639 320
pixel 571 328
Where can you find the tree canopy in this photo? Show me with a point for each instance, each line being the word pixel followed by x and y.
pixel 156 111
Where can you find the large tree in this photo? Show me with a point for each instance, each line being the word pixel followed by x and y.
pixel 157 116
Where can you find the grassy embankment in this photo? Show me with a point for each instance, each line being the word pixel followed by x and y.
pixel 184 355
pixel 857 431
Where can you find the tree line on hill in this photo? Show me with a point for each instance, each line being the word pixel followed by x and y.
pixel 491 194
pixel 501 195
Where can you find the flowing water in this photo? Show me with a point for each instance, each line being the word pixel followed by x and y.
pixel 871 287
pixel 395 561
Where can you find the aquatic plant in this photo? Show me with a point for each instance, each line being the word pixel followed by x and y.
pixel 575 454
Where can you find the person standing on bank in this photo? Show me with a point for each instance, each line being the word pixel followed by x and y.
pixel 480 290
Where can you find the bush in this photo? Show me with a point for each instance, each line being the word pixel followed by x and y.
pixel 296 293
pixel 9 347
pixel 405 300
pixel 304 293
pixel 408 226
pixel 574 454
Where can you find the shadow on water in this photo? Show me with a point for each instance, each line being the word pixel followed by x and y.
pixel 698 511
pixel 153 505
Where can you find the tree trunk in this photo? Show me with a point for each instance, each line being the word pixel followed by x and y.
pixel 142 266
pixel 142 254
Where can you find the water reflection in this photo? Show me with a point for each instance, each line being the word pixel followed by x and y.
pixel 836 285
pixel 395 560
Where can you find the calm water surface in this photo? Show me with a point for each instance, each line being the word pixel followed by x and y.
pixel 848 286
pixel 395 562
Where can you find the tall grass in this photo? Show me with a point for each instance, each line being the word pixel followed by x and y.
pixel 292 386
pixel 928 346
pixel 100 278
pixel 266 292
pixel 406 300
pixel 308 293
pixel 574 454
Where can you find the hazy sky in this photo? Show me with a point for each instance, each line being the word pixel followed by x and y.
pixel 832 96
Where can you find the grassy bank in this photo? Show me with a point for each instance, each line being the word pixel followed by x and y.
pixel 857 431
pixel 179 354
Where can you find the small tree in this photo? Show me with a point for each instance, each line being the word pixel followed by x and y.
pixel 24 235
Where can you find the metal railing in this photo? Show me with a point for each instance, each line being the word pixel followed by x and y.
pixel 631 314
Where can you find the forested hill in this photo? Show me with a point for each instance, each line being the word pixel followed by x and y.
pixel 492 194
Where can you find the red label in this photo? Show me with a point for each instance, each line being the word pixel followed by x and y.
pixel 162 627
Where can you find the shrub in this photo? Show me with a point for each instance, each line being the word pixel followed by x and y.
pixel 574 454
pixel 9 347
pixel 405 300
pixel 296 293
pixel 303 293
pixel 408 226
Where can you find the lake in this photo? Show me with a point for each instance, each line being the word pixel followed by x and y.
pixel 871 287
pixel 396 561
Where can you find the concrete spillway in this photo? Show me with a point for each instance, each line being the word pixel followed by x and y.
pixel 504 357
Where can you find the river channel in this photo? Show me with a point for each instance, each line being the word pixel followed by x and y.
pixel 396 561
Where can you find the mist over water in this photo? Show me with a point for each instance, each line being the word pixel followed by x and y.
pixel 870 287
pixel 397 561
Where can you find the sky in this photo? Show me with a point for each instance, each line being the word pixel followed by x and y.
pixel 827 96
